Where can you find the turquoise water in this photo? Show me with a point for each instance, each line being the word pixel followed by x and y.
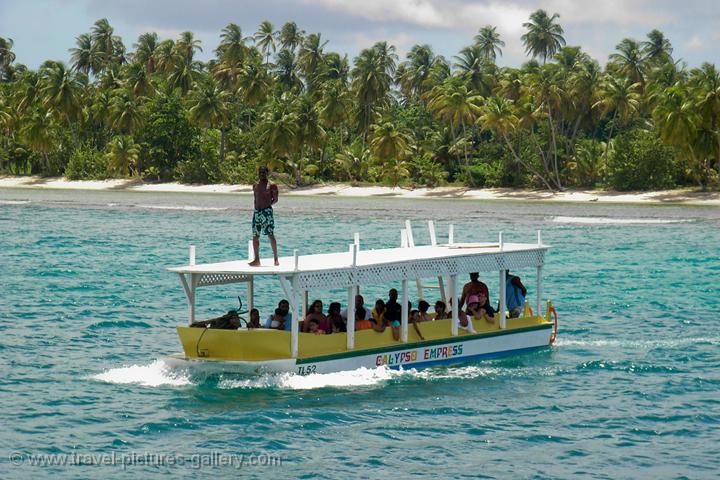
pixel 630 390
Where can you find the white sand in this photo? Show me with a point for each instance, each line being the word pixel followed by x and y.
pixel 684 196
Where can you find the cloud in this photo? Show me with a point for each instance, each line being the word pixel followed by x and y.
pixel 695 43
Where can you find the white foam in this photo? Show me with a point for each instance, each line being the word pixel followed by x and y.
pixel 648 344
pixel 153 375
pixel 354 378
pixel 613 221
pixel 191 208
pixel 14 202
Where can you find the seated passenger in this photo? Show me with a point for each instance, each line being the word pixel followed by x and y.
pixel 313 327
pixel 479 308
pixel 378 313
pixel 392 313
pixel 441 311
pixel 359 303
pixel 414 318
pixel 361 323
pixel 335 320
pixel 254 321
pixel 282 318
pixel 423 315
pixel 516 293
pixel 315 313
pixel 229 321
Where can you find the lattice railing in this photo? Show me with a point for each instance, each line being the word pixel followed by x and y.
pixel 413 269
pixel 207 279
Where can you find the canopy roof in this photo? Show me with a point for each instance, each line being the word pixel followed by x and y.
pixel 334 270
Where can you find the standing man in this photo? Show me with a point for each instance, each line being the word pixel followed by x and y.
pixel 473 287
pixel 263 223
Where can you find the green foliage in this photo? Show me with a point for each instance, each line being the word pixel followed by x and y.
pixel 640 161
pixel 204 166
pixel 167 135
pixel 87 163
pixel 427 172
pixel 279 98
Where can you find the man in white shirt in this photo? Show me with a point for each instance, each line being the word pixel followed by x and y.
pixel 359 302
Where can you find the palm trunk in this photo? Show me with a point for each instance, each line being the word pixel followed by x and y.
pixel 222 145
pixel 467 162
pixel 556 170
pixel 607 147
pixel 526 165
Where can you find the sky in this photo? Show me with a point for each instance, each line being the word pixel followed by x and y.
pixel 46 29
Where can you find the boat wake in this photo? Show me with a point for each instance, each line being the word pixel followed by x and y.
pixel 155 374
pixel 14 202
pixel 160 374
pixel 614 221
pixel 643 344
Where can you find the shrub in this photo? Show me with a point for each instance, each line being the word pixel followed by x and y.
pixel 639 161
pixel 87 163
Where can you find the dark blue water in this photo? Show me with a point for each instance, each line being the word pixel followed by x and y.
pixel 630 390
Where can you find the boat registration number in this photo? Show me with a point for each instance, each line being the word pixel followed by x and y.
pixel 306 369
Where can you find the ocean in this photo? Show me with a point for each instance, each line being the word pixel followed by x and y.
pixel 631 388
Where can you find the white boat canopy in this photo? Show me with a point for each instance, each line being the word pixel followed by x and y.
pixel 299 273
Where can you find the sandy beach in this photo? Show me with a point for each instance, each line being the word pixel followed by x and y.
pixel 681 196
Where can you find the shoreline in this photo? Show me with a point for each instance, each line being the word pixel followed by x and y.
pixel 677 196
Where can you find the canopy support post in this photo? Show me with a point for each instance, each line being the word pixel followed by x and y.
pixel 538 287
pixel 433 242
pixel 251 293
pixel 189 288
pixel 404 312
pixel 352 291
pixel 501 310
pixel 454 320
pixel 295 322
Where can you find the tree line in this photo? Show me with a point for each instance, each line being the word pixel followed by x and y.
pixel 278 97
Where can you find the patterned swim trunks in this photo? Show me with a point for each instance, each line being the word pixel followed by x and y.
pixel 263 222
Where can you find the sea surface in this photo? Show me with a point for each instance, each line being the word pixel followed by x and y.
pixel 631 389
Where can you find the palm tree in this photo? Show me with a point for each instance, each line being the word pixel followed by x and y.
pixel 290 36
pixel 390 146
pixel 210 109
pixel 38 134
pixel 137 79
pixel 478 73
pixel 108 45
pixel 629 61
pixel 265 39
pixel 372 78
pixel 186 46
pixel 86 58
pixel 61 90
pixel 277 131
pixel 412 74
pixel 164 56
pixel 497 116
pixel 657 49
pixel 354 161
pixel 544 36
pixel 254 83
pixel 124 113
pixel 310 59
pixel 489 42
pixel 705 88
pixel 7 56
pixel 231 54
pixel 621 97
pixel 453 102
pixel 145 49
pixel 286 71
pixel 123 154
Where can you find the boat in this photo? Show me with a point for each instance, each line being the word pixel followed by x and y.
pixel 256 351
